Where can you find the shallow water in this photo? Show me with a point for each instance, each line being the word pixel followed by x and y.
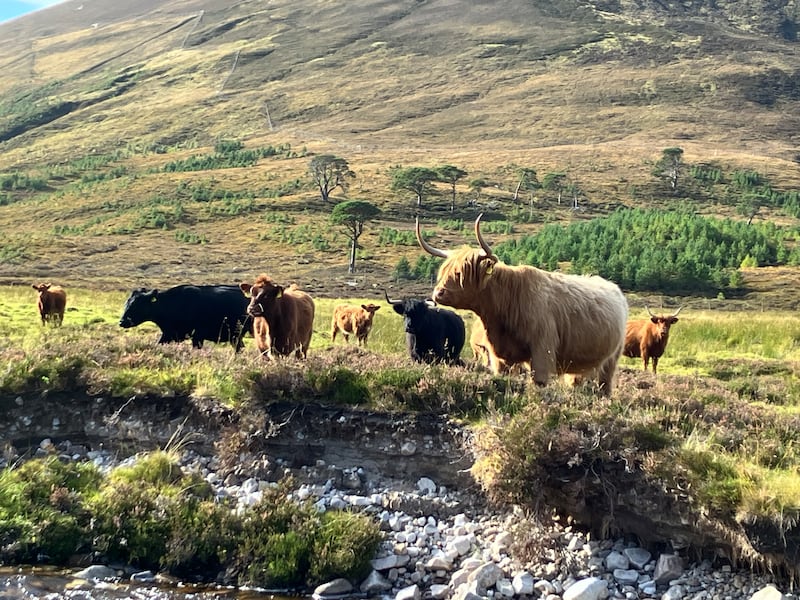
pixel 57 584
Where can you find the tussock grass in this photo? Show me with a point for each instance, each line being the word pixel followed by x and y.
pixel 720 421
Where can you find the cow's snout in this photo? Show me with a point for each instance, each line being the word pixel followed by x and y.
pixel 125 322
pixel 255 310
pixel 438 295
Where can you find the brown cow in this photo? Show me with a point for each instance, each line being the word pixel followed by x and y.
pixel 283 318
pixel 52 302
pixel 647 338
pixel 353 320
pixel 551 322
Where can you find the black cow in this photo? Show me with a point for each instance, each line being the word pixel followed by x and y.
pixel 432 334
pixel 201 312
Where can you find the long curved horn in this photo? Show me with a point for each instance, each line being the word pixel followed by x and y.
pixel 427 247
pixel 648 311
pixel 675 314
pixel 392 302
pixel 486 248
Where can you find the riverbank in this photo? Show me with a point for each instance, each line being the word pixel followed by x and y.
pixel 410 473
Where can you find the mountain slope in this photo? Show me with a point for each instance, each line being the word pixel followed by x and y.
pixel 594 89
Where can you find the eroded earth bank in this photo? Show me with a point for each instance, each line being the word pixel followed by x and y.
pixel 602 529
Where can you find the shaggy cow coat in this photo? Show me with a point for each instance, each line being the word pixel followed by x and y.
pixel 217 313
pixel 353 320
pixel 552 322
pixel 52 302
pixel 283 318
pixel 433 334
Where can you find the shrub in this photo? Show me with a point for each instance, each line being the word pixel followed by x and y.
pixel 343 547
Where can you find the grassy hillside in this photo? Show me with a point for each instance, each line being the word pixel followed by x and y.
pixel 97 101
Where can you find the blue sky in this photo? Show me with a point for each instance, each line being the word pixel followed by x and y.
pixel 14 8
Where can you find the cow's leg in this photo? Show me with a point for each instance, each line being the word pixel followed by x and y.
pixel 334 331
pixel 542 365
pixel 655 365
pixel 605 375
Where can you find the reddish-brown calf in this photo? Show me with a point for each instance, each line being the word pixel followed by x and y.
pixel 647 338
pixel 51 303
pixel 353 320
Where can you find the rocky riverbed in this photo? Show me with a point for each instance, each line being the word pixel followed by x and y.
pixel 410 472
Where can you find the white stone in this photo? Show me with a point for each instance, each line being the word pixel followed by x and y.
pixel 523 583
pixel 639 557
pixel 374 583
pixel 359 501
pixel 504 587
pixel 471 563
pixel 504 539
pixel 426 486
pixel 333 588
pixel 385 563
pixel 439 591
pixel 675 592
pixel 591 588
pixel 338 503
pixel 668 567
pixel 485 576
pixel 544 587
pixel 408 449
pixel 459 578
pixel 616 560
pixel 409 593
pixel 439 562
pixel 100 572
pixel 770 592
pixel 626 576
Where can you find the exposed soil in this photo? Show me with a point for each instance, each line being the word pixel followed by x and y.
pixel 315 442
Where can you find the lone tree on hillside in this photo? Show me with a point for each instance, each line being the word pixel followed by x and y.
pixel 417 180
pixel 527 181
pixel 352 215
pixel 329 172
pixel 451 175
pixel 669 166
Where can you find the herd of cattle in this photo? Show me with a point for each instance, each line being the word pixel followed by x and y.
pixel 544 322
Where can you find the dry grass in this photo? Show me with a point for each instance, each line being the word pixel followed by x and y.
pixel 392 85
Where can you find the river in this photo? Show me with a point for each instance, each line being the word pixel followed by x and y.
pixel 57 584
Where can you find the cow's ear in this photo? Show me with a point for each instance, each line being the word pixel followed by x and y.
pixel 245 287
pixel 279 291
pixel 654 320
pixel 398 308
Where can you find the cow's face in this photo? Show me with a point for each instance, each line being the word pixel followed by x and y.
pixel 370 309
pixel 415 315
pixel 41 287
pixel 662 325
pixel 462 278
pixel 263 295
pixel 138 308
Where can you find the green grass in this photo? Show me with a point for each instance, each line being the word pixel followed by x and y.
pixel 722 416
